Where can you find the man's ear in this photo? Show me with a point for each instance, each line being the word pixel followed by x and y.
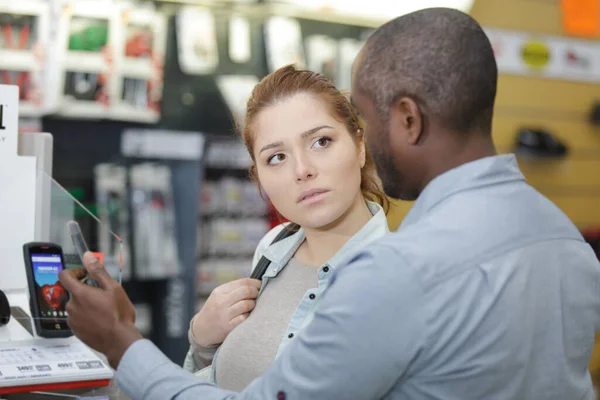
pixel 406 115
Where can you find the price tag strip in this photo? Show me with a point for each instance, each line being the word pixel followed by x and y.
pixel 27 367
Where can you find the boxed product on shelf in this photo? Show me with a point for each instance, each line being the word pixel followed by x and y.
pixel 87 34
pixel 155 243
pixel 232 196
pixel 253 202
pixel 137 100
pixel 197 40
pixel 283 43
pixel 231 189
pixel 210 201
pixel 24 41
pixel 236 90
pixel 19 33
pixel 24 80
pixel 321 51
pixel 215 272
pixel 229 236
pixel 113 212
pixel 226 236
pixel 142 40
pixel 348 49
pixel 85 41
pixel 85 86
pixel 239 39
pixel 227 154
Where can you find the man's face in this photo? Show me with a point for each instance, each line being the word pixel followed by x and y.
pixel 377 138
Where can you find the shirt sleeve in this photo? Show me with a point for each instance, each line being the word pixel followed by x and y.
pixel 198 356
pixel 204 354
pixel 145 373
pixel 365 337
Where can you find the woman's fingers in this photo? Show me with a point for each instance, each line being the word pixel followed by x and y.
pixel 241 308
pixel 238 320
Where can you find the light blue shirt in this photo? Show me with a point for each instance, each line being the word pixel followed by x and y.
pixel 486 291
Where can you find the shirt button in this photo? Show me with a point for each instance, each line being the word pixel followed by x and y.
pixel 291 335
pixel 281 396
pixel 325 269
pixel 312 296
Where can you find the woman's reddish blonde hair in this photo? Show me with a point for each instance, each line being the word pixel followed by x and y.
pixel 288 81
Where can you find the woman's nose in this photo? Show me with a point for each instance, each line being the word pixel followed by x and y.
pixel 304 169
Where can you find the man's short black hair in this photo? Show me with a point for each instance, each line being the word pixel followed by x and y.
pixel 439 57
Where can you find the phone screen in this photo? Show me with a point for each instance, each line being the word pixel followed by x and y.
pixel 51 296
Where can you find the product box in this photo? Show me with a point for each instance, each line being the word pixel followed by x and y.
pixel 142 40
pixel 85 55
pixel 197 41
pixel 24 36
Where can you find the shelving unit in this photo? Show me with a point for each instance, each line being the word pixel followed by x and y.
pixel 232 217
pixel 254 9
pixel 23 42
pixel 85 40
pixel 139 68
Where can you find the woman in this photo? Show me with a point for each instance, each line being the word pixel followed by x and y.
pixel 309 158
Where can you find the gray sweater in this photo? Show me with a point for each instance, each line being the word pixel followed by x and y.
pixel 251 347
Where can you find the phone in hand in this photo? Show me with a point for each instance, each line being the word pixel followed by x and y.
pixel 47 297
pixel 80 247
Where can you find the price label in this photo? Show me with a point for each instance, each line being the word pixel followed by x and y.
pixel 72 360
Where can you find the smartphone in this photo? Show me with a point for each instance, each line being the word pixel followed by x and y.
pixel 47 297
pixel 80 247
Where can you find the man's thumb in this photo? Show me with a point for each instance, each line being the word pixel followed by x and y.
pixel 97 271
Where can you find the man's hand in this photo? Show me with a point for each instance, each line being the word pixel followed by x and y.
pixel 103 318
pixel 227 307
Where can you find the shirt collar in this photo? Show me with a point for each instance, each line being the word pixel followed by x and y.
pixel 279 253
pixel 483 172
pixel 374 229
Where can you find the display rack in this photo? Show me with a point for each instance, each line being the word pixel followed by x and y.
pixel 265 9
pixel 165 295
pixel 24 35
pixel 232 216
pixel 110 59
pixel 139 65
pixel 84 51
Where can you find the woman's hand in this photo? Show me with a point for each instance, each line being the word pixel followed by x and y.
pixel 227 306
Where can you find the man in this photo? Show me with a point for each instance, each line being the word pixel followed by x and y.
pixel 486 291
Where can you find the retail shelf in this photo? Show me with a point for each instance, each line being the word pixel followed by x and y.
pixel 286 10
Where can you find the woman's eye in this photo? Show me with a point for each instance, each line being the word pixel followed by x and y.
pixel 322 142
pixel 276 159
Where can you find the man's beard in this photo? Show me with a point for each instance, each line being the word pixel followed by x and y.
pixel 393 181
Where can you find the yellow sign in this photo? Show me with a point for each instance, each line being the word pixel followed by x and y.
pixel 535 54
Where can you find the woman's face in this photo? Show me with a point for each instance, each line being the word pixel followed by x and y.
pixel 307 163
